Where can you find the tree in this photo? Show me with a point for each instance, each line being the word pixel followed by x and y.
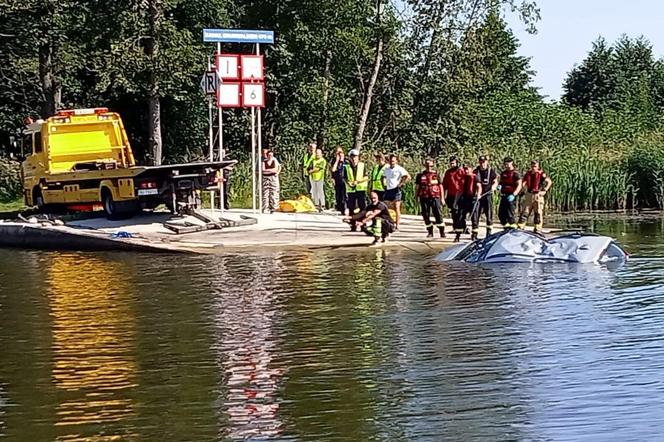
pixel 38 39
pixel 469 53
pixel 621 78
pixel 153 57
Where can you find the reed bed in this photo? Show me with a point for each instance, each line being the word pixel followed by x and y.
pixel 606 177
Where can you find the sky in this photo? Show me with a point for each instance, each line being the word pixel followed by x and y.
pixel 567 29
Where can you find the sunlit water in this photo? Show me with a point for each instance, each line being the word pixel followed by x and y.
pixel 335 345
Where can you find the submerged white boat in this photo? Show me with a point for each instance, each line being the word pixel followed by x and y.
pixel 520 246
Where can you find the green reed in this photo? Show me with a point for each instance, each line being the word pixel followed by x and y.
pixel 605 177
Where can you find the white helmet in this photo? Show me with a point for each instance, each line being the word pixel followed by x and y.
pixel 354 153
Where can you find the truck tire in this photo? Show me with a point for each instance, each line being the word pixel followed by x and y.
pixel 116 210
pixel 38 200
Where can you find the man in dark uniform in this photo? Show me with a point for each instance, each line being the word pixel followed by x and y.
pixel 375 220
pixel 338 166
pixel 486 183
pixel 468 196
pixel 510 186
pixel 453 182
pixel 429 191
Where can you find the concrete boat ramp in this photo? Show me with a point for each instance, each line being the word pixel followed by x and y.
pixel 147 233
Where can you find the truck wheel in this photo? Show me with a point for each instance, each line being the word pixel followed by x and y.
pixel 38 200
pixel 116 210
pixel 110 208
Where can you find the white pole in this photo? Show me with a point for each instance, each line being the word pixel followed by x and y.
pixel 221 144
pixel 253 160
pixel 210 137
pixel 260 149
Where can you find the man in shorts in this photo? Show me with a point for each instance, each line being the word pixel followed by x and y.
pixel 395 178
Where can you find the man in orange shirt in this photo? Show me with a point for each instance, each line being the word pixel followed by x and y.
pixel 453 185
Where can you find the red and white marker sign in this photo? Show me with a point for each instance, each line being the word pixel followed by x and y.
pixel 228 66
pixel 252 67
pixel 229 94
pixel 241 82
pixel 253 94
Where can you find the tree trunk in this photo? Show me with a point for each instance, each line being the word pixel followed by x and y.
pixel 154 104
pixel 154 124
pixel 368 96
pixel 321 137
pixel 50 88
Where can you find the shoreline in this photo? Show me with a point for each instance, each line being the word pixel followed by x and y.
pixel 288 231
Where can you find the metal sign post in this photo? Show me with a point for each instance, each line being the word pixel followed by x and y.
pixel 240 84
pixel 221 148
pixel 208 84
pixel 260 148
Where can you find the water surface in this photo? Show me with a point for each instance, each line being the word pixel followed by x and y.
pixel 336 345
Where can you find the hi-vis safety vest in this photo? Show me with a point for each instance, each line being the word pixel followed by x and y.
pixel 319 164
pixel 377 177
pixel 307 159
pixel 361 186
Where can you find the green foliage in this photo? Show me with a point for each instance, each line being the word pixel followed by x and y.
pixel 645 164
pixel 10 180
pixel 451 81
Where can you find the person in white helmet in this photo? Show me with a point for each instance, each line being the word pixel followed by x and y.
pixel 356 179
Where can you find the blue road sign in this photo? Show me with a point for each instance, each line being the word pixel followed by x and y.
pixel 237 36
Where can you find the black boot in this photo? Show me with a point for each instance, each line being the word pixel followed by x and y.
pixel 430 232
pixel 442 232
pixel 457 238
pixel 473 236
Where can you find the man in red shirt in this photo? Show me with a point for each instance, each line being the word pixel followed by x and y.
pixel 429 191
pixel 510 186
pixel 453 184
pixel 536 183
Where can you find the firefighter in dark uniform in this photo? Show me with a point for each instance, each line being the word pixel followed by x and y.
pixel 537 184
pixel 429 191
pixel 510 186
pixel 453 182
pixel 469 195
pixel 486 183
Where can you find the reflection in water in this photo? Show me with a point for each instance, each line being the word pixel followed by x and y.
pixel 93 334
pixel 3 406
pixel 246 309
pixel 330 345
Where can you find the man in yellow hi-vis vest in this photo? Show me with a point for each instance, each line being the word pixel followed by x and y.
pixel 317 178
pixel 356 184
pixel 377 177
pixel 307 159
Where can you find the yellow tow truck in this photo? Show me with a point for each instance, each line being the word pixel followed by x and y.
pixel 83 157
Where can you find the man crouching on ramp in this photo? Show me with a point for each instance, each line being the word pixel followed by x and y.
pixel 375 220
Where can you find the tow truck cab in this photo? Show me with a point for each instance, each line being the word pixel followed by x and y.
pixel 69 142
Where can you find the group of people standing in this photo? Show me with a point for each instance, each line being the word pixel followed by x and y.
pixel 468 192
pixel 353 180
pixel 362 194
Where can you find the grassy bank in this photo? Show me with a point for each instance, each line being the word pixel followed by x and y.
pixel 12 206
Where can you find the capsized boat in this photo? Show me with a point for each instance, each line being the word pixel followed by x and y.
pixel 520 246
